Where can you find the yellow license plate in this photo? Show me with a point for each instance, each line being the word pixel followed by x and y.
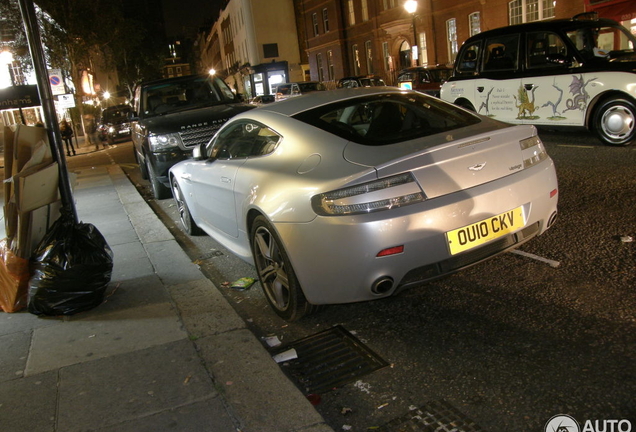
pixel 473 235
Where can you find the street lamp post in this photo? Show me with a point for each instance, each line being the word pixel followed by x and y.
pixel 411 7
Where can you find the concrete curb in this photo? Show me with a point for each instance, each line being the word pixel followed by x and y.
pixel 255 389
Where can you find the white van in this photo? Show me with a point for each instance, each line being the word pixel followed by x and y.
pixel 568 72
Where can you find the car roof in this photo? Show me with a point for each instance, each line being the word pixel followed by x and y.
pixel 417 68
pixel 553 25
pixel 293 106
pixel 175 79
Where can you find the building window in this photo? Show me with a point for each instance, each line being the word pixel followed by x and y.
pixel 522 11
pixel 314 18
pixel 423 49
pixel 547 8
pixel 474 23
pixel 352 13
pixel 321 72
pixel 330 64
pixel 386 56
pixel 325 19
pixel 451 39
pixel 365 11
pixel 356 60
pixel 369 52
pixel 270 50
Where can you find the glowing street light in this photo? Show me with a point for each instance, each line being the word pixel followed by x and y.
pixel 411 7
pixel 212 72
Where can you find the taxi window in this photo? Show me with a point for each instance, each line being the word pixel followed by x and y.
pixel 501 53
pixel 543 49
pixel 468 58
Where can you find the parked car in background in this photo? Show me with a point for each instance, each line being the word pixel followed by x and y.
pixel 578 72
pixel 356 194
pixel 262 100
pixel 114 124
pixel 287 90
pixel 360 81
pixel 172 116
pixel 428 80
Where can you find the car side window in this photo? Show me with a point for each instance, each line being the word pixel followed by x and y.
pixel 244 139
pixel 501 53
pixel 468 59
pixel 544 50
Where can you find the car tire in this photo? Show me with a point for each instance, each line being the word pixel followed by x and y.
pixel 614 122
pixel 159 191
pixel 189 225
pixel 276 274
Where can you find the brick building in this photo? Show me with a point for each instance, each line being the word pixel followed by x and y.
pixel 364 37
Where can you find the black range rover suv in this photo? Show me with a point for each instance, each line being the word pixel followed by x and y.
pixel 172 116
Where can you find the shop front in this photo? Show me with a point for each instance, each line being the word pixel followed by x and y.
pixel 263 79
pixel 623 11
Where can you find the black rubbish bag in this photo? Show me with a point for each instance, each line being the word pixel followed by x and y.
pixel 71 268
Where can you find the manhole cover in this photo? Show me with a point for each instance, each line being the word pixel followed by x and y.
pixel 330 359
pixel 435 416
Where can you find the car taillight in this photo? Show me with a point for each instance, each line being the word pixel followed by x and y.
pixel 383 194
pixel 533 151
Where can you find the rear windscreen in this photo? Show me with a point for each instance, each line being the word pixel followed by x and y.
pixel 388 118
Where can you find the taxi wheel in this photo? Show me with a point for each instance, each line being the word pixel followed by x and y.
pixel 466 105
pixel 275 272
pixel 189 225
pixel 615 122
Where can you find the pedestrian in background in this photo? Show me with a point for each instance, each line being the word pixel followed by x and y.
pixel 67 135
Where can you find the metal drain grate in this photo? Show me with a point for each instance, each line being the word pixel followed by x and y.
pixel 435 416
pixel 330 359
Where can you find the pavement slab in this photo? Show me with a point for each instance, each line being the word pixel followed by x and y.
pixel 156 380
pixel 203 309
pixel 29 404
pixel 88 336
pixel 13 355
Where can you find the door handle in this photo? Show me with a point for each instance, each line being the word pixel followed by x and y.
pixel 528 86
pixel 226 180
pixel 480 89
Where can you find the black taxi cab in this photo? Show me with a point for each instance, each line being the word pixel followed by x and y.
pixel 564 72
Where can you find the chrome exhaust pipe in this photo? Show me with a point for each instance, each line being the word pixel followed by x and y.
pixel 382 285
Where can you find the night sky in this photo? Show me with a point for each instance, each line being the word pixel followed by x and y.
pixel 184 17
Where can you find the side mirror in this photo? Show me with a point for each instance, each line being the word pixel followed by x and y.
pixel 198 153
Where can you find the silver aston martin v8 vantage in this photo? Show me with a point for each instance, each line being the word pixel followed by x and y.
pixel 356 194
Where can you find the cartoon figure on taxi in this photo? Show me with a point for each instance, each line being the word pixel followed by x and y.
pixel 526 106
pixel 579 94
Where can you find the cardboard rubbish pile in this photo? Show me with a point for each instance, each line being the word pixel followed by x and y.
pixel 31 205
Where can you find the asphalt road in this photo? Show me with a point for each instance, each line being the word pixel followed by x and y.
pixel 502 346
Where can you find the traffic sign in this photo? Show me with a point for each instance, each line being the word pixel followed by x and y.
pixel 56 81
